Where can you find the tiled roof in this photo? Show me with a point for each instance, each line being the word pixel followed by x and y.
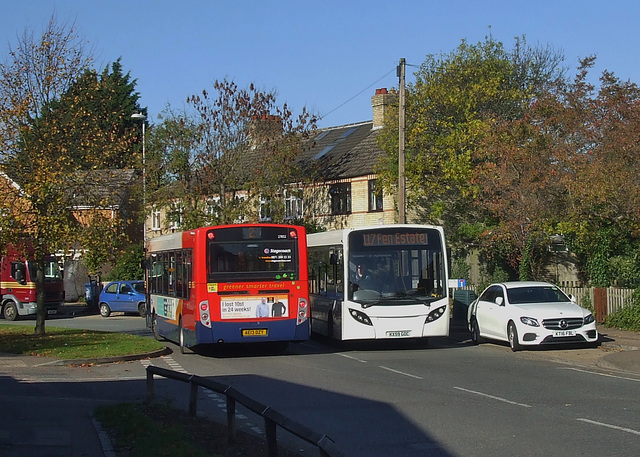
pixel 105 188
pixel 342 152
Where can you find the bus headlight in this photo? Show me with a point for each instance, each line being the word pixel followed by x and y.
pixel 435 314
pixel 360 317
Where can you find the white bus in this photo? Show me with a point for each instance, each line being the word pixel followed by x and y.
pixel 382 282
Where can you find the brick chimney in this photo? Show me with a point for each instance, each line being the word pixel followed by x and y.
pixel 263 129
pixel 381 102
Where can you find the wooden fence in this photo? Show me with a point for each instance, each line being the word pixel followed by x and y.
pixel 604 300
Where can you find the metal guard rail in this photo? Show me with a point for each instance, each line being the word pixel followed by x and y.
pixel 272 418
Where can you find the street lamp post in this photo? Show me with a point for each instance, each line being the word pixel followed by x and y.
pixel 143 118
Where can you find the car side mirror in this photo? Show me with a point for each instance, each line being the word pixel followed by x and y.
pixel 572 298
pixel 499 301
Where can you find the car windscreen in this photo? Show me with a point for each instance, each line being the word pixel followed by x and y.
pixel 536 294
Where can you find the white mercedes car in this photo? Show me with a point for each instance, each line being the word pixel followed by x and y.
pixel 529 314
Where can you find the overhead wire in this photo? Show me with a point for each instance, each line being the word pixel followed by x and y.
pixel 358 94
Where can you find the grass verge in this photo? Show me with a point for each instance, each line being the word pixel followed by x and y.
pixel 150 430
pixel 70 344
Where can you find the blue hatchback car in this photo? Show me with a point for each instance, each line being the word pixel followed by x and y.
pixel 122 296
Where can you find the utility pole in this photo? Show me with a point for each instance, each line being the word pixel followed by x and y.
pixel 401 180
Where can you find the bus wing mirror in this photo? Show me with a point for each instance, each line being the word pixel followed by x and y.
pixel 333 259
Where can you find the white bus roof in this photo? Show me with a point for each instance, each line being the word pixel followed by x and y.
pixel 334 237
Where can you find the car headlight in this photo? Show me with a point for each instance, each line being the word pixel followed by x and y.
pixel 529 321
pixel 589 319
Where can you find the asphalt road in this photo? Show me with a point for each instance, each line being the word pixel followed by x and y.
pixel 374 399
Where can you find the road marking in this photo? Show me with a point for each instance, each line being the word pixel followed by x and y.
pixel 615 427
pixel 603 374
pixel 173 364
pixel 493 397
pixel 218 399
pixel 351 357
pixel 400 372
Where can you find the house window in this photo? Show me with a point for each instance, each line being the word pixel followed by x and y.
pixel 292 205
pixel 175 217
pixel 155 219
pixel 212 208
pixel 266 212
pixel 240 203
pixel 375 196
pixel 340 195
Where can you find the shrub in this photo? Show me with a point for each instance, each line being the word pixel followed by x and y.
pixel 628 318
pixel 128 265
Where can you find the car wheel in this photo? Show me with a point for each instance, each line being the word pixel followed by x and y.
pixel 10 311
pixel 154 328
pixel 105 311
pixel 142 309
pixel 181 337
pixel 475 332
pixel 512 335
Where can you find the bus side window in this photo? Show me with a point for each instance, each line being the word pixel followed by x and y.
pixel 334 274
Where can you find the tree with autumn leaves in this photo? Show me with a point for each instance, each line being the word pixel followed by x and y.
pixel 230 154
pixel 59 122
pixel 506 151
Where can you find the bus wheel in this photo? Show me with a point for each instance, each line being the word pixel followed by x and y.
pixel 105 311
pixel 142 309
pixel 154 328
pixel 10 311
pixel 181 337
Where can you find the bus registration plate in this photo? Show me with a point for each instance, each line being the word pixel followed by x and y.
pixel 254 332
pixel 398 333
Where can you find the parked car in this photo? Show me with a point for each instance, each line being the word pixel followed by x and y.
pixel 122 296
pixel 528 314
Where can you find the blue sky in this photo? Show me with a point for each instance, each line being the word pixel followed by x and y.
pixel 327 55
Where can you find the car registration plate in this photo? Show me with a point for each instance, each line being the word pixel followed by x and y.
pixel 563 333
pixel 52 311
pixel 254 332
pixel 398 333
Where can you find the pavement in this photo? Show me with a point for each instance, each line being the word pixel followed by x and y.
pixel 34 423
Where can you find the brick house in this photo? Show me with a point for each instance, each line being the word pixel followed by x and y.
pixel 340 188
pixel 11 196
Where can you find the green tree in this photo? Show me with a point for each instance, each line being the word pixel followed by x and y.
pixel 454 104
pixel 452 113
pixel 227 143
pixel 49 132
pixel 603 182
pixel 172 174
pixel 36 72
pixel 93 115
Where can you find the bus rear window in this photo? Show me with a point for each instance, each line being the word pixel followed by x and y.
pixel 251 260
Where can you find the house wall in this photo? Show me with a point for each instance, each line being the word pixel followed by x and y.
pixel 317 206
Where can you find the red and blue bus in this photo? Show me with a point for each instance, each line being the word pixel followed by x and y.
pixel 239 283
